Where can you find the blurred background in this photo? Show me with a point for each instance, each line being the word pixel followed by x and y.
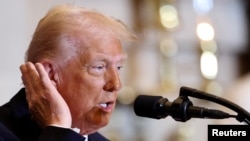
pixel 203 44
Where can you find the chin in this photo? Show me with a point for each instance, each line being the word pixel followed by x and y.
pixel 93 129
pixel 103 123
pixel 94 124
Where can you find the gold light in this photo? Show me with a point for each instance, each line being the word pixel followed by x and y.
pixel 205 31
pixel 169 16
pixel 209 65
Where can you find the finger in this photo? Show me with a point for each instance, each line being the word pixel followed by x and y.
pixel 23 72
pixel 44 76
pixel 23 69
pixel 30 76
pixel 49 87
pixel 31 81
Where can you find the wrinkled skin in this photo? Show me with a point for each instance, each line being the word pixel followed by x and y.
pixel 80 91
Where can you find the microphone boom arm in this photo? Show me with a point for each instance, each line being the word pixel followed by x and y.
pixel 243 115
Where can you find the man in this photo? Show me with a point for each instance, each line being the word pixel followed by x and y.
pixel 71 78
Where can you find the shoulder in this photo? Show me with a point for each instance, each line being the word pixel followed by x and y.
pixel 97 137
pixel 6 134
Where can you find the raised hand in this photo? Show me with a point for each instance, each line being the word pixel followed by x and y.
pixel 46 104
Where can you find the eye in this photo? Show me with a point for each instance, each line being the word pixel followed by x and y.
pixel 97 69
pixel 119 67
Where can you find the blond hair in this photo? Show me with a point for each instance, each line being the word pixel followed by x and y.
pixel 62 26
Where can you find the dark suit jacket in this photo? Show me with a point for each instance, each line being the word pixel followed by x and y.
pixel 16 125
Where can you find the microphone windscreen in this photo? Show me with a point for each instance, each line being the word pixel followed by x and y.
pixel 147 106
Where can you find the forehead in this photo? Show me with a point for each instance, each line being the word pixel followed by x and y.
pixel 105 48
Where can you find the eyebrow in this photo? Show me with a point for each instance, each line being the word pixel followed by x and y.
pixel 101 57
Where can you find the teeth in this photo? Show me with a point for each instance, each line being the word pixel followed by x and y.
pixel 104 105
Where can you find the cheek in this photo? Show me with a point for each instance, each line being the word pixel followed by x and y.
pixel 81 91
pixel 80 105
pixel 82 95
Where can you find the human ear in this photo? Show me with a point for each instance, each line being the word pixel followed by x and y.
pixel 51 71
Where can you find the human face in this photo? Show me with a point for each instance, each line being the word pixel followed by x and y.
pixel 89 83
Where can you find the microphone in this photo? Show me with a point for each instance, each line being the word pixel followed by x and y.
pixel 180 109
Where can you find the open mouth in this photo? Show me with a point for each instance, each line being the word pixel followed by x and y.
pixel 107 107
pixel 104 105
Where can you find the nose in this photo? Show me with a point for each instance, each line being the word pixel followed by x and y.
pixel 113 82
